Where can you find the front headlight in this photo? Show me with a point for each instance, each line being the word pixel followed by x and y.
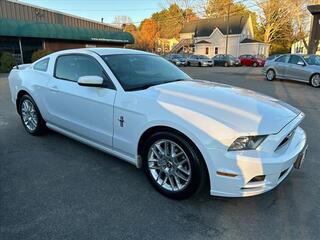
pixel 247 143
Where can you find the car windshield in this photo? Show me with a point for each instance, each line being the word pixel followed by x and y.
pixel 140 71
pixel 312 59
pixel 177 56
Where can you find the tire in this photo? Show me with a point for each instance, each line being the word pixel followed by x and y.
pixel 315 80
pixel 164 172
pixel 271 75
pixel 254 64
pixel 188 64
pixel 30 116
pixel 199 64
pixel 226 64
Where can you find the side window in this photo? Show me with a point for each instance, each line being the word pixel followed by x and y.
pixel 282 59
pixel 71 67
pixel 294 59
pixel 42 65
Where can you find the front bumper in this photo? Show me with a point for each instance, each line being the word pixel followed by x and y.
pixel 207 64
pixel 244 166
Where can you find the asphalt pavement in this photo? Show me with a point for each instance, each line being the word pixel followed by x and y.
pixel 52 187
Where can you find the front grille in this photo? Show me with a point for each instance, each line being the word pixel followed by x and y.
pixel 286 139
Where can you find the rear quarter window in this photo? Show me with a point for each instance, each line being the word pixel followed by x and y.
pixel 41 65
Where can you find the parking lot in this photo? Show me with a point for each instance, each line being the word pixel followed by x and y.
pixel 52 187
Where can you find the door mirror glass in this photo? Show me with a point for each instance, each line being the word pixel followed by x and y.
pixel 90 81
pixel 300 63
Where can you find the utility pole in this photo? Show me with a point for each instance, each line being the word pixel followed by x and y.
pixel 314 38
pixel 227 39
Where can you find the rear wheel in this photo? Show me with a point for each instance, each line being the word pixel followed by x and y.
pixel 30 116
pixel 199 64
pixel 173 165
pixel 226 64
pixel 271 75
pixel 315 80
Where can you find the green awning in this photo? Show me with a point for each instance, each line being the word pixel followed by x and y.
pixel 16 28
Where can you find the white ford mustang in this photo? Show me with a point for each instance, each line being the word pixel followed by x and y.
pixel 143 109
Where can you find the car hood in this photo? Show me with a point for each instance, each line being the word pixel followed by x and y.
pixel 235 108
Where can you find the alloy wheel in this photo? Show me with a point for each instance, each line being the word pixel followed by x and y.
pixel 315 80
pixel 270 75
pixel 29 115
pixel 169 165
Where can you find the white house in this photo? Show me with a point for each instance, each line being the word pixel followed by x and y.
pixel 299 47
pixel 209 37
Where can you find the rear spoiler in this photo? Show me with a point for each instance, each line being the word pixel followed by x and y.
pixel 22 66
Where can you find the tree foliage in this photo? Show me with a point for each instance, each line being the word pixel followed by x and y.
pixel 39 54
pixel 171 20
pixel 7 62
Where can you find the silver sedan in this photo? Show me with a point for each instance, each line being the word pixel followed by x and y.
pixel 304 68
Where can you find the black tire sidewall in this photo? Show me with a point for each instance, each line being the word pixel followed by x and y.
pixel 40 126
pixel 197 168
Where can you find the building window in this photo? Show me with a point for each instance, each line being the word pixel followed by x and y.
pixel 216 50
pixel 207 50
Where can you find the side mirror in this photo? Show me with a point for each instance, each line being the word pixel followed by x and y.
pixel 300 63
pixel 90 81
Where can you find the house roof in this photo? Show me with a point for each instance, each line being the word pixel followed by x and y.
pixel 204 27
pixel 249 40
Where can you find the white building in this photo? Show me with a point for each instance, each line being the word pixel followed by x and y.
pixel 299 47
pixel 209 37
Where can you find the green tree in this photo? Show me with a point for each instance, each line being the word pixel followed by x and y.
pixel 171 20
pixel 7 62
pixel 219 8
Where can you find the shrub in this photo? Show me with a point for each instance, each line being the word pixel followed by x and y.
pixel 39 54
pixel 7 62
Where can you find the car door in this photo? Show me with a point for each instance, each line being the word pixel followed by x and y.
pixel 195 60
pixel 281 65
pixel 81 110
pixel 216 60
pixel 297 69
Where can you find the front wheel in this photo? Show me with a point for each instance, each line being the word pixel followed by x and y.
pixel 315 80
pixel 271 75
pixel 226 64
pixel 30 116
pixel 254 64
pixel 173 165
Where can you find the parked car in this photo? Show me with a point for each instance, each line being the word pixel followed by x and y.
pixel 304 68
pixel 200 61
pixel 177 59
pixel 141 108
pixel 251 60
pixel 271 58
pixel 225 60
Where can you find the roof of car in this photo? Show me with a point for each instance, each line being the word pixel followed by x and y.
pixel 104 51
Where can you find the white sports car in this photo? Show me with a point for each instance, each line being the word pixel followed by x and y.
pixel 182 132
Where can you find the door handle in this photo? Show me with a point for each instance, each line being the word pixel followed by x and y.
pixel 54 89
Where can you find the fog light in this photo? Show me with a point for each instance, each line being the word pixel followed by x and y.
pixel 259 178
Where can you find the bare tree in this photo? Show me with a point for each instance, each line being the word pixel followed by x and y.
pixel 274 19
pixel 301 18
